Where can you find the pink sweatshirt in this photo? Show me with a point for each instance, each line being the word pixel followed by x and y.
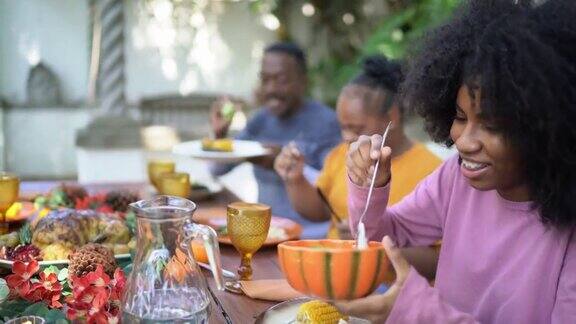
pixel 498 262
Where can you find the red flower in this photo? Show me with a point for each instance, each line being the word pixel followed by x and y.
pixel 19 281
pixel 50 282
pixel 34 294
pixel 47 289
pixel 103 318
pixel 95 297
pixel 97 300
pixel 83 203
pixel 73 313
pixel 39 293
pixel 98 318
pixel 54 301
pixel 96 202
pixel 105 209
pixel 90 302
pixel 98 278
pixel 113 319
pixel 52 289
pixel 117 283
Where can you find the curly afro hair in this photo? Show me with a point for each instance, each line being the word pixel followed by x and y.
pixel 523 58
pixel 380 74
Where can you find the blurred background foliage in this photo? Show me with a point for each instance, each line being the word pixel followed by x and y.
pixel 345 31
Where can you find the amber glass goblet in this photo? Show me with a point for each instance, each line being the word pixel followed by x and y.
pixel 175 184
pixel 247 227
pixel 156 168
pixel 9 189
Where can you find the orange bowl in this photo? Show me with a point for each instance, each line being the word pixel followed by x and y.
pixel 333 269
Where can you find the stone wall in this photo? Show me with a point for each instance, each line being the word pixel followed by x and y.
pixel 39 141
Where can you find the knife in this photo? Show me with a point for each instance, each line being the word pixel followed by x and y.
pixel 225 273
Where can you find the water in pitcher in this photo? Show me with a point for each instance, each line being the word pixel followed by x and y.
pixel 166 306
pixel 165 284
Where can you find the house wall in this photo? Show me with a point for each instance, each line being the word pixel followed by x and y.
pixel 220 57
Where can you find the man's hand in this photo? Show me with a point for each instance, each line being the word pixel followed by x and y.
pixel 376 308
pixel 289 164
pixel 267 161
pixel 221 114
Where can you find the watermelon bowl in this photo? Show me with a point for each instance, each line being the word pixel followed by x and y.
pixel 333 269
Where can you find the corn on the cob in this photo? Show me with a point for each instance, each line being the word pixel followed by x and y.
pixel 318 312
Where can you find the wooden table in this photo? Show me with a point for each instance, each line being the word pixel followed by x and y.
pixel 240 309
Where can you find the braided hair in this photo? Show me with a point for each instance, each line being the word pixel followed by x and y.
pixel 380 74
pixel 523 59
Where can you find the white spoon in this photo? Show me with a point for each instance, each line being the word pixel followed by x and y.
pixel 361 240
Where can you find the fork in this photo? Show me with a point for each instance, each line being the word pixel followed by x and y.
pixel 292 143
pixel 361 240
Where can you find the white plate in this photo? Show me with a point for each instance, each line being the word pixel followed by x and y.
pixel 285 313
pixel 242 150
pixel 59 263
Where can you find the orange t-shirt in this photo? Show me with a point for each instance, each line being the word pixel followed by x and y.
pixel 408 169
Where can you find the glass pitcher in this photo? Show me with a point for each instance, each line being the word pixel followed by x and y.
pixel 166 285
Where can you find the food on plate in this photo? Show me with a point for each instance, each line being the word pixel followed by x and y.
pixel 88 257
pixel 61 231
pixel 277 233
pixel 19 211
pixel 24 253
pixel 16 246
pixel 217 145
pixel 68 218
pixel 319 312
pixel 71 191
pixel 55 251
pixel 64 195
pixel 10 240
pixel 121 248
pixel 73 196
pixel 120 200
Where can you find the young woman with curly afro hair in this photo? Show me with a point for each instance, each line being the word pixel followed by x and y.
pixel 499 83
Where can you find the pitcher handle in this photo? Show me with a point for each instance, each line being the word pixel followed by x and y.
pixel 210 240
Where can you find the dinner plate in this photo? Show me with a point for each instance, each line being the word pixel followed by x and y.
pixel 242 150
pixel 285 312
pixel 59 263
pixel 216 218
